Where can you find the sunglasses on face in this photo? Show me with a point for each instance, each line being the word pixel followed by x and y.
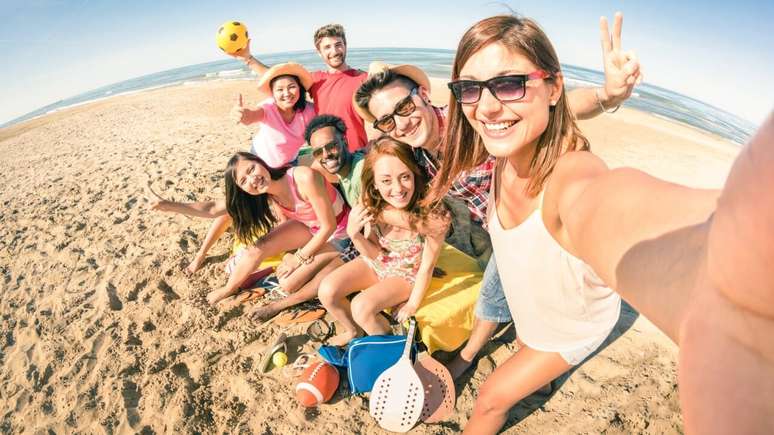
pixel 505 88
pixel 405 107
pixel 329 147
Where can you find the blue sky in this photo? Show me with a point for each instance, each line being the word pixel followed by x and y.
pixel 717 52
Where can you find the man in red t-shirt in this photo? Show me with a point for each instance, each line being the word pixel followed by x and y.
pixel 332 89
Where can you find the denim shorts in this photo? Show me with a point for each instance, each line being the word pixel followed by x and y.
pixel 347 250
pixel 491 304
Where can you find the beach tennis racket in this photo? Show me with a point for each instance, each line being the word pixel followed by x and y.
pixel 440 394
pixel 397 397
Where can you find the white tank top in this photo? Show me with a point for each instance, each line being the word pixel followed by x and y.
pixel 557 302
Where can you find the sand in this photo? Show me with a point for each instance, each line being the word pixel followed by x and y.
pixel 101 332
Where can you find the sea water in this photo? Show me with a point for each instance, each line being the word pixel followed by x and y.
pixel 436 63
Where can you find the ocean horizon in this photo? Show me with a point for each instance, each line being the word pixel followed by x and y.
pixel 436 63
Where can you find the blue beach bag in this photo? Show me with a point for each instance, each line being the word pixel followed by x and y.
pixel 365 358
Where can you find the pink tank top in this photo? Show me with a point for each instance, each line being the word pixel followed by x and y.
pixel 304 213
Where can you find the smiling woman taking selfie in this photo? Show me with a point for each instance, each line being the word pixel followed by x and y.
pixel 566 231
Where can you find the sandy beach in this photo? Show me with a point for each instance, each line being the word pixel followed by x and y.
pixel 102 332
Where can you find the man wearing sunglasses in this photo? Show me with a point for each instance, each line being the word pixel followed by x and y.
pixel 396 101
pixel 332 89
pixel 326 135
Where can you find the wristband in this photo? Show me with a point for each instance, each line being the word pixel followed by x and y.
pixel 599 101
pixel 301 258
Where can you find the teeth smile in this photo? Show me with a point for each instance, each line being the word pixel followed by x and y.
pixel 499 125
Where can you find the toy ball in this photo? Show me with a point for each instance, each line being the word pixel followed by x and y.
pixel 232 37
pixel 279 359
pixel 317 385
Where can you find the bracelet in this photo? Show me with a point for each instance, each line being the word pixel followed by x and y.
pixel 301 258
pixel 250 59
pixel 599 101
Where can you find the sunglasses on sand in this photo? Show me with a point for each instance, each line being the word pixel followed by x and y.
pixel 505 88
pixel 405 107
pixel 329 147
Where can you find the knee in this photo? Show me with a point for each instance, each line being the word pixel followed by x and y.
pixel 362 310
pixel 491 401
pixel 327 292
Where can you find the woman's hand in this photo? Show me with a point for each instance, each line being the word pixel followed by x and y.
pixel 622 68
pixel 243 54
pixel 359 217
pixel 287 266
pixel 155 201
pixel 239 113
pixel 406 311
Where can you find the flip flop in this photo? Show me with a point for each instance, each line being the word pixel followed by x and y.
pixel 299 316
pixel 299 365
pixel 250 295
pixel 279 344
pixel 320 331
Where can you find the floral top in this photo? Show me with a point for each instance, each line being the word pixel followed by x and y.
pixel 400 258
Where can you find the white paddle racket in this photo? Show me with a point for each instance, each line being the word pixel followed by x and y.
pixel 398 395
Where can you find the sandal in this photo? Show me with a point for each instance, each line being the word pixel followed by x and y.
pixel 279 344
pixel 320 331
pixel 299 365
pixel 302 313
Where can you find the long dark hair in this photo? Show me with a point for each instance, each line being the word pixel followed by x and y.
pixel 252 214
pixel 464 148
pixel 301 103
pixel 370 196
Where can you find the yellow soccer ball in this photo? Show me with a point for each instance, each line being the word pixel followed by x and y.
pixel 279 359
pixel 232 37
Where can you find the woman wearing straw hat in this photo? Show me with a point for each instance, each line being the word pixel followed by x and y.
pixel 282 119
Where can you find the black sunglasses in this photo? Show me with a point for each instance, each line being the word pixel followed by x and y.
pixel 405 107
pixel 328 147
pixel 505 88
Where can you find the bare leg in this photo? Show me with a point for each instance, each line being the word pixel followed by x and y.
pixel 479 336
pixel 307 292
pixel 218 227
pixel 305 272
pixel 521 375
pixel 285 237
pixel 367 306
pixel 334 288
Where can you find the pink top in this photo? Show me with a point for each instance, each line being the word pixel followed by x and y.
pixel 278 142
pixel 304 213
pixel 332 94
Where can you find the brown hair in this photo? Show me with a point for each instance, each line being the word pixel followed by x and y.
pixel 464 148
pixel 377 82
pixel 372 199
pixel 252 214
pixel 329 31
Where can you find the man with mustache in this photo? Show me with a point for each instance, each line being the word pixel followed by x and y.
pixel 332 89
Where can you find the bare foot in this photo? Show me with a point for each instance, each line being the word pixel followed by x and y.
pixel 216 296
pixel 343 338
pixel 264 313
pixel 458 366
pixel 194 266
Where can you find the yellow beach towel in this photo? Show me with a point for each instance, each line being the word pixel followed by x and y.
pixel 445 317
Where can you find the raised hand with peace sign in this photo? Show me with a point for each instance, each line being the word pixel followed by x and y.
pixel 622 68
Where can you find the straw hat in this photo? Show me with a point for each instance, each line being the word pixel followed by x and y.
pixel 282 69
pixel 414 73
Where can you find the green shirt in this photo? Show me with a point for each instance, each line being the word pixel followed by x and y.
pixel 350 184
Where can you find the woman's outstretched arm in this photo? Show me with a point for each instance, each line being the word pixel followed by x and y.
pixel 697 263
